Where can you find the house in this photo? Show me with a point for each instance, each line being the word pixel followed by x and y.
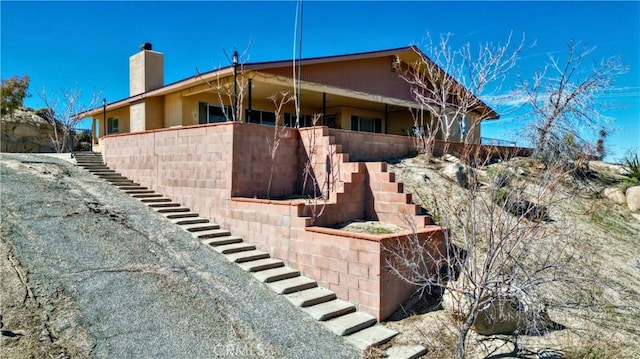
pixel 287 200
pixel 358 92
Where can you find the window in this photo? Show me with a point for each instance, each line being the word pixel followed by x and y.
pixel 112 125
pixel 210 113
pixel 262 117
pixel 366 124
pixel 305 120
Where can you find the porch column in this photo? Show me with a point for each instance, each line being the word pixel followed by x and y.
pixel 248 120
pixel 324 108
pixel 386 118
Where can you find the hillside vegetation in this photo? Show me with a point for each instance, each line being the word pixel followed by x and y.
pixel 591 243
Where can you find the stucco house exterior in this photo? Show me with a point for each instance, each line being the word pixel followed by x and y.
pixel 358 92
pixel 175 139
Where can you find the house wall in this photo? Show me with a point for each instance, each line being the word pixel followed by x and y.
pixel 154 113
pixel 373 76
pixel 137 116
pixel 173 110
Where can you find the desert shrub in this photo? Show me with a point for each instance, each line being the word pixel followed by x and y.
pixel 632 163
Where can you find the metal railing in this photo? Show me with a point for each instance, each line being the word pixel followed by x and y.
pixel 497 142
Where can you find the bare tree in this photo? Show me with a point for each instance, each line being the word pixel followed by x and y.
pixel 279 100
pixel 231 90
pixel 449 83
pixel 61 113
pixel 564 98
pixel 491 266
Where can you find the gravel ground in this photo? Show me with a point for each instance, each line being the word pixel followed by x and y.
pixel 95 273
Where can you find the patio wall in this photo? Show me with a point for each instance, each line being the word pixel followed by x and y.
pixel 220 170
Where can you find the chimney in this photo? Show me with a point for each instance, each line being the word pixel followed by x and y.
pixel 146 70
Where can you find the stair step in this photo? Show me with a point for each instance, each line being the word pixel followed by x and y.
pixel 211 233
pixel 276 274
pixel 292 285
pixel 140 190
pixel 219 241
pixel 246 256
pixel 151 194
pixel 101 171
pixel 310 297
pixel 189 220
pixel 262 264
pixel 199 227
pixel 234 248
pixel 371 336
pixel 111 174
pixel 406 351
pixel 350 323
pixel 114 179
pixel 132 187
pixel 181 215
pixel 155 200
pixel 330 309
pixel 164 205
pixel 172 209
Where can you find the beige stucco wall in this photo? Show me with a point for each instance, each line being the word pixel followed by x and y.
pixel 173 110
pixel 146 72
pixel 154 113
pixel 137 117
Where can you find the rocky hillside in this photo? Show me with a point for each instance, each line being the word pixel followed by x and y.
pixel 592 230
pixel 25 132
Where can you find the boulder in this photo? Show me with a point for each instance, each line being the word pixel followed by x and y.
pixel 451 158
pixel 633 198
pixel 615 194
pixel 458 173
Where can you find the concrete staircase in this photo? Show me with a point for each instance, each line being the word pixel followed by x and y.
pixel 339 316
pixel 385 201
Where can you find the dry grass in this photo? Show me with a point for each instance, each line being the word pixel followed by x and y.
pixel 599 242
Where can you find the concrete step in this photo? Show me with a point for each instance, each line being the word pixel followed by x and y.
pixel 211 233
pixel 181 215
pixel 292 285
pixel 98 171
pixel 154 200
pixel 371 336
pixel 164 205
pixel 234 248
pixel 350 323
pixel 172 210
pixel 131 187
pixel 150 194
pixel 330 309
pixel 406 351
pixel 189 220
pixel 138 190
pixel 276 274
pixel 310 297
pixel 262 264
pixel 110 174
pixel 246 256
pixel 116 179
pixel 219 241
pixel 199 227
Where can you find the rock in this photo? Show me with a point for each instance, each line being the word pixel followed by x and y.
pixel 615 194
pixel 636 216
pixel 457 172
pixel 633 198
pixel 451 158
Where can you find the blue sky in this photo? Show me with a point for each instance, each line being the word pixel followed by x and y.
pixel 61 44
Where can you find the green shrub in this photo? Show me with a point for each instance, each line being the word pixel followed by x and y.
pixel 632 163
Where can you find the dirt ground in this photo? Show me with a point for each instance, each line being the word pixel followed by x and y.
pixel 88 271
